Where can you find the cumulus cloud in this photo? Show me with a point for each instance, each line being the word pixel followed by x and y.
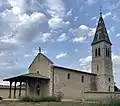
pixel 118 35
pixel 61 55
pixel 94 18
pixel 45 37
pixel 62 37
pixel 75 50
pixel 79 39
pixel 6 46
pixel 69 13
pixel 85 63
pixel 76 18
pixel 56 23
pixel 84 30
pixel 55 8
pixel 28 28
pixel 106 15
pixel 91 1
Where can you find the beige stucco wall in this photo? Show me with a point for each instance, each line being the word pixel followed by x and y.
pixel 100 95
pixel 4 93
pixel 72 88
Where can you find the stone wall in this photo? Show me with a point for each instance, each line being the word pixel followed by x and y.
pixel 101 95
pixel 72 88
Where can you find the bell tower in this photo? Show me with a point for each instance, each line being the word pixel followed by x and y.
pixel 101 58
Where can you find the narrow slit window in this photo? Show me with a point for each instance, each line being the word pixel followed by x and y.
pixel 108 52
pixel 109 88
pixel 95 52
pixel 82 79
pixel 68 76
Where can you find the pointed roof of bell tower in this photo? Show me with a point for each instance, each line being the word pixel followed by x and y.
pixel 101 32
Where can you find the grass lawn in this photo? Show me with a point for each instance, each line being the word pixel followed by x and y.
pixel 16 103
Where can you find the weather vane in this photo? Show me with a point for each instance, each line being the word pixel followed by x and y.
pixel 39 49
pixel 100 10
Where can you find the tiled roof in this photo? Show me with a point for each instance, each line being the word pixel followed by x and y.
pixel 73 70
pixel 25 77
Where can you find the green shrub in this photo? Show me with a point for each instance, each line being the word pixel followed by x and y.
pixel 59 96
pixel 26 99
pixel 49 99
pixel 40 99
pixel 1 98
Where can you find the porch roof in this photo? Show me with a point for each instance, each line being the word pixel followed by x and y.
pixel 25 77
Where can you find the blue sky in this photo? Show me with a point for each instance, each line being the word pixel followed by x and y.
pixel 64 30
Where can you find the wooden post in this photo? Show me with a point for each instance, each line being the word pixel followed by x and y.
pixel 10 89
pixel 26 87
pixel 15 90
pixel 20 89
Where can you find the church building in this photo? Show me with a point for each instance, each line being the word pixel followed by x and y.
pixel 46 79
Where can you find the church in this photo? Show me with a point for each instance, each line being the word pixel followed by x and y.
pixel 46 79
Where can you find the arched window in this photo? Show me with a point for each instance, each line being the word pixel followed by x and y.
pixel 82 79
pixel 98 51
pixel 95 52
pixel 109 79
pixel 97 68
pixel 37 72
pixel 68 76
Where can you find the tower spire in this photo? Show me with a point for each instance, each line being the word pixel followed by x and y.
pixel 101 31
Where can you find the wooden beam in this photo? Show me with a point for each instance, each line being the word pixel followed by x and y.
pixel 15 90
pixel 20 89
pixel 10 89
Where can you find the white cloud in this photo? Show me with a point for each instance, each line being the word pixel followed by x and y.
pixel 116 63
pixel 115 17
pixel 56 23
pixel 28 28
pixel 79 39
pixel 85 63
pixel 112 28
pixel 76 18
pixel 55 8
pixel 69 13
pixel 4 82
pixel 118 35
pixel 61 55
pixel 45 37
pixel 6 46
pixel 75 50
pixel 62 37
pixel 91 1
pixel 84 30
pixel 94 18
pixel 106 15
